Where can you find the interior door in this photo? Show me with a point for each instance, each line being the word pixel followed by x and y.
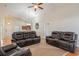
pixel 8 28
pixel 46 29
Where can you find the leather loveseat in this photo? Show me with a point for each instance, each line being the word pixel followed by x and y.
pixel 14 50
pixel 25 38
pixel 64 40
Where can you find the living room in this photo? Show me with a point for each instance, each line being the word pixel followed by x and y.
pixel 46 21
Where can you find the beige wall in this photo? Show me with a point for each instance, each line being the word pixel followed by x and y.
pixel 54 17
pixel 13 24
pixel 61 18
pixel 7 16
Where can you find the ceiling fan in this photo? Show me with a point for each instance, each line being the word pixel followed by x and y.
pixel 36 6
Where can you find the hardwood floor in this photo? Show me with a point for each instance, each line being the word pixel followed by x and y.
pixel 7 40
pixel 71 54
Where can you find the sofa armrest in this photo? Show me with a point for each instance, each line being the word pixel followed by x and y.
pixel 9 47
pixel 22 52
pixel 74 39
pixel 18 53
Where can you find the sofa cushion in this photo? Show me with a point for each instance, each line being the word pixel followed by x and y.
pixel 17 35
pixel 26 35
pixel 51 39
pixel 32 34
pixel 29 39
pixel 36 38
pixel 21 41
pixel 63 42
pixel 56 35
pixel 67 36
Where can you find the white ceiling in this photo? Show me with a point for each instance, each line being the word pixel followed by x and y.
pixel 52 9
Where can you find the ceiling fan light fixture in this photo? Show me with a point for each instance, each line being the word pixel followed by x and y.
pixel 35 6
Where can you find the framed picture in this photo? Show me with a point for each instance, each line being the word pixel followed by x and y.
pixel 37 25
pixel 26 27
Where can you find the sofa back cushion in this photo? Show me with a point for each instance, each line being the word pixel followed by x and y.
pixel 23 35
pixel 17 35
pixel 56 35
pixel 26 35
pixel 32 34
pixel 67 35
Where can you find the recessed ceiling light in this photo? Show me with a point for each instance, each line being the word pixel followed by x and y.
pixel 8 23
pixel 35 6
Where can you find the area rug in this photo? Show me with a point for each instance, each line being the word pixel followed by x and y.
pixel 44 49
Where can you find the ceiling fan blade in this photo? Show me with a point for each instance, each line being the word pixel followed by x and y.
pixel 40 3
pixel 33 3
pixel 35 9
pixel 40 7
pixel 30 6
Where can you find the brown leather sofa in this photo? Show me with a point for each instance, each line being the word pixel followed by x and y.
pixel 14 50
pixel 25 38
pixel 64 40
